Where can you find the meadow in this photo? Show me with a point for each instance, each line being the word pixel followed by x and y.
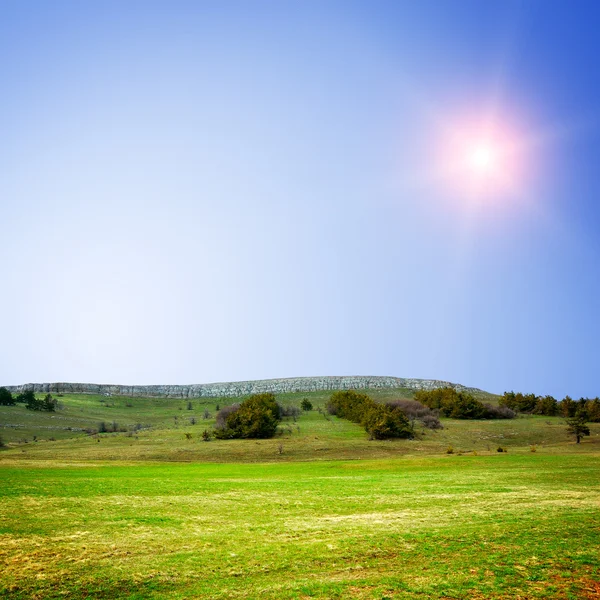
pixel 149 513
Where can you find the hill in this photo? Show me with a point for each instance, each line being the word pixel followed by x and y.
pixel 241 388
pixel 97 427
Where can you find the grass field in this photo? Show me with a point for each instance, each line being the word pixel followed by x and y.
pixel 151 514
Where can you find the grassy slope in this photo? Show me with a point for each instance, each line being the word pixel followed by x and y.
pixel 312 437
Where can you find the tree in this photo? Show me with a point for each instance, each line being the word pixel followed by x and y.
pixel 306 404
pixel 6 398
pixel 593 410
pixel 48 404
pixel 525 403
pixel 577 425
pixel 26 397
pixel 568 407
pixel 546 406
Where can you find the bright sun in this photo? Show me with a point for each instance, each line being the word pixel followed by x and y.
pixel 482 158
pixel 481 161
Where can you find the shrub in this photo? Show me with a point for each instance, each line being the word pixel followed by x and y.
pixel 207 435
pixel 289 411
pixel 450 450
pixel 383 421
pixel 206 414
pixel 416 411
pixel 306 404
pixel 498 412
pixel 349 405
pixel 223 414
pixel 188 436
pixel 6 398
pixel 189 406
pixel 256 417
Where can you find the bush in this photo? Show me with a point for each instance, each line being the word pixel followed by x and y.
pixel 223 414
pixel 256 417
pixel 289 411
pixel 306 404
pixel 207 435
pixel 431 422
pixel 498 412
pixel 416 411
pixel 349 405
pixel 382 421
pixel 6 398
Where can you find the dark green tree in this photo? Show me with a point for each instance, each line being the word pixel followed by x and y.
pixel 48 403
pixel 577 425
pixel 306 404
pixel 26 397
pixel 6 398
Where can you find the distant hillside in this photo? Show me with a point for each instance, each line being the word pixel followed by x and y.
pixel 241 388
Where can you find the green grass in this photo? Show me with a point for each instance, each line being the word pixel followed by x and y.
pixel 150 514
pixel 503 526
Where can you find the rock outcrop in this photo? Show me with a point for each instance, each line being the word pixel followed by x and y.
pixel 240 388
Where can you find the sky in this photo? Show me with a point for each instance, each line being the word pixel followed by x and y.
pixel 205 191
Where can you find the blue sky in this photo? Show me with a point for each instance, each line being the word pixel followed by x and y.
pixel 216 191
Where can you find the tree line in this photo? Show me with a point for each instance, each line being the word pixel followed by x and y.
pixel 461 405
pixel 48 403
pixel 550 407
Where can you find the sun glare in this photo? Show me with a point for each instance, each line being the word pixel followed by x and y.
pixel 481 162
pixel 482 158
